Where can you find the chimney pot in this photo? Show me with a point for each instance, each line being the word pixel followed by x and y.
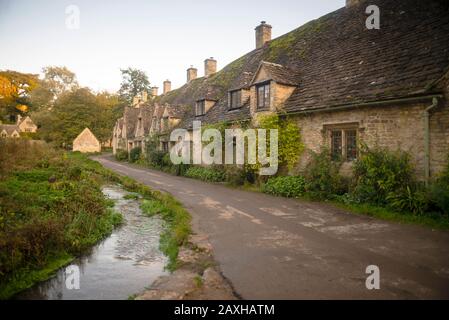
pixel 263 34
pixel 352 3
pixel 167 86
pixel 154 91
pixel 191 73
pixel 210 66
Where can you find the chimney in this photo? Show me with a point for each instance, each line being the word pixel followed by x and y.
pixel 19 118
pixel 263 34
pixel 154 91
pixel 352 3
pixel 191 73
pixel 210 66
pixel 167 86
pixel 144 96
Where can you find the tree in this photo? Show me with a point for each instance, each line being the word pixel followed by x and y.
pixel 75 110
pixel 134 81
pixel 55 82
pixel 15 88
pixel 59 80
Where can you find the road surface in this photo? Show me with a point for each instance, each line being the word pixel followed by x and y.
pixel 276 248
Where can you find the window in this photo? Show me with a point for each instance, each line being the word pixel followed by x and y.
pixel 200 108
pixel 165 146
pixel 235 99
pixel 165 123
pixel 343 144
pixel 263 96
pixel 351 144
pixel 336 144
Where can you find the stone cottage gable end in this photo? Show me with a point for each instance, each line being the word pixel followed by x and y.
pixel 86 142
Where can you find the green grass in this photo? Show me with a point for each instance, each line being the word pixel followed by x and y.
pixel 432 220
pixel 26 278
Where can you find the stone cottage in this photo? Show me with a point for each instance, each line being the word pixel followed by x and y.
pixel 86 142
pixel 14 130
pixel 342 83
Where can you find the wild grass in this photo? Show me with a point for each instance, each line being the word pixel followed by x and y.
pixel 51 209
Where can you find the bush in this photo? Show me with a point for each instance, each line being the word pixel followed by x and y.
pixel 121 155
pixel 156 158
pixel 439 190
pixel 286 186
pixel 206 174
pixel 381 176
pixel 408 200
pixel 134 154
pixel 322 176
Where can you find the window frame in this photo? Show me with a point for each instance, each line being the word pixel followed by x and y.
pixel 238 105
pixel 266 97
pixel 347 131
pixel 200 106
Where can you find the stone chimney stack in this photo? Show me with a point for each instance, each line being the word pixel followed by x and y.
pixel 210 66
pixel 167 86
pixel 351 3
pixel 191 73
pixel 154 91
pixel 263 34
pixel 144 96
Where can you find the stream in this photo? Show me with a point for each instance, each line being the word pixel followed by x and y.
pixel 123 264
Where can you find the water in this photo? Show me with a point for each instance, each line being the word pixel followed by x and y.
pixel 123 264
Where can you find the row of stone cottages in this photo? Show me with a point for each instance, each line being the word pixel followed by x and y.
pixel 342 82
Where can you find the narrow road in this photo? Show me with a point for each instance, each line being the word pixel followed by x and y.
pixel 276 248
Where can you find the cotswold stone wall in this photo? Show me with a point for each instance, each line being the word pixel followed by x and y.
pixel 395 127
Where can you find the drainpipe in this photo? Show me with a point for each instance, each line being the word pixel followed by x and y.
pixel 427 140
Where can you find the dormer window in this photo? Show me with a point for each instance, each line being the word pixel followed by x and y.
pixel 235 99
pixel 263 95
pixel 200 108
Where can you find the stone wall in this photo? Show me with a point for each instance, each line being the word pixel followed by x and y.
pixel 395 127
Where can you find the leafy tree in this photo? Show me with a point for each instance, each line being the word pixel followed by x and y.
pixel 58 80
pixel 134 81
pixel 73 111
pixel 15 88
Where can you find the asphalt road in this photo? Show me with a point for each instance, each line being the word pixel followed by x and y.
pixel 276 248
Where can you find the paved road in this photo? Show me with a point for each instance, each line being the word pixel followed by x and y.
pixel 276 248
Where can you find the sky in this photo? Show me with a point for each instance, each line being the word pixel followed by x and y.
pixel 162 38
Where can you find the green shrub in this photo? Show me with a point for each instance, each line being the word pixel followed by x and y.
pixel 286 186
pixel 121 155
pixel 206 174
pixel 134 154
pixel 408 200
pixel 322 176
pixel 156 158
pixel 439 190
pixel 380 173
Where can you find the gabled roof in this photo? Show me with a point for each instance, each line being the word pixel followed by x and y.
pixel 86 134
pixel 9 128
pixel 277 73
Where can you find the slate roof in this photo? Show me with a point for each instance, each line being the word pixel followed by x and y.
pixel 9 128
pixel 335 60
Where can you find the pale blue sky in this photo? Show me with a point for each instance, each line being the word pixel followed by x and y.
pixel 163 38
